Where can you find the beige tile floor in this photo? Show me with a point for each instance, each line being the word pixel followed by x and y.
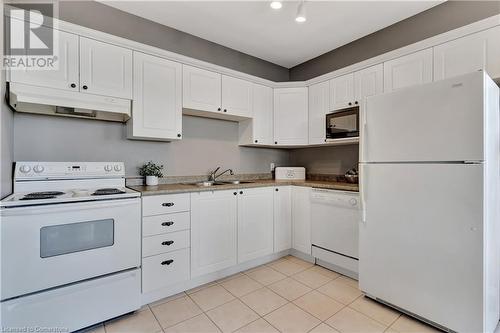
pixel 287 295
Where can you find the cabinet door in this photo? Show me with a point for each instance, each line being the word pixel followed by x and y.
pixel 318 108
pixel 290 116
pixel 262 114
pixel 201 89
pixel 255 223
pixel 157 104
pixel 468 54
pixel 368 82
pixel 213 231
pixel 236 96
pixel 66 75
pixel 282 218
pixel 342 92
pixel 410 70
pixel 105 69
pixel 301 219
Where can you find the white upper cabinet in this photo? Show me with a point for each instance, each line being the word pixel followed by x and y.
pixel 409 70
pixel 342 92
pixel 66 75
pixel 282 218
pixel 368 82
pixel 290 116
pixel 301 219
pixel 479 51
pixel 213 231
pixel 236 96
pixel 105 69
pixel 319 96
pixel 259 130
pixel 201 89
pixel 157 99
pixel 255 223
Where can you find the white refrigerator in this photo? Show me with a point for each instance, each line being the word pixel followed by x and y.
pixel 429 178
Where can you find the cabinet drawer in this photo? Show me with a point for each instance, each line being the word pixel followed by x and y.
pixel 163 204
pixel 164 269
pixel 159 224
pixel 165 243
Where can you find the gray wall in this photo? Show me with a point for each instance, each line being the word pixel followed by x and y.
pixel 206 144
pixel 326 160
pixel 439 19
pixel 116 22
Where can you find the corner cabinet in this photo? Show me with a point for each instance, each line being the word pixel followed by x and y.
pixel 259 130
pixel 213 231
pixel 255 223
pixel 201 89
pixel 301 219
pixel 319 103
pixel 410 70
pixel 479 51
pixel 157 99
pixel 290 116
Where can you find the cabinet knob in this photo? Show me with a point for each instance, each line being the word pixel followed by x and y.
pixel 325 140
pixel 85 87
pixel 179 135
pixel 256 141
pixel 350 103
pixel 356 102
pixel 218 109
pixel 275 142
pixel 225 110
pixel 167 224
pixel 167 262
pixel 235 193
pixel 241 192
pixel 73 85
pixel 167 243
pixel 277 189
pixel 167 204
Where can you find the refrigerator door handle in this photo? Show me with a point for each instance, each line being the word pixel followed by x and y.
pixel 362 193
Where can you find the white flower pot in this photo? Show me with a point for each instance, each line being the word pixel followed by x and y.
pixel 151 180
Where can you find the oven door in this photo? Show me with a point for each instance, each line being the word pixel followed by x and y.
pixel 343 123
pixel 53 245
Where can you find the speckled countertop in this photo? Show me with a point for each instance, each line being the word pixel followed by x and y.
pixel 184 188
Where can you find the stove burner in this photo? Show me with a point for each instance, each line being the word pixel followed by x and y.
pixel 107 191
pixel 42 195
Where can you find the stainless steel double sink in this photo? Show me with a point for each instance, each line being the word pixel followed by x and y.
pixel 216 183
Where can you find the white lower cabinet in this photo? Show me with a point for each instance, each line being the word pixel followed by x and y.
pixel 213 231
pixel 164 269
pixel 301 219
pixel 282 218
pixel 255 223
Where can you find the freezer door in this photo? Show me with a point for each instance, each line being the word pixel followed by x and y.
pixel 421 241
pixel 439 121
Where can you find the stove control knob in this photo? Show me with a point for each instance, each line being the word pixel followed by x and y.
pixel 25 168
pixel 108 168
pixel 118 167
pixel 353 202
pixel 38 168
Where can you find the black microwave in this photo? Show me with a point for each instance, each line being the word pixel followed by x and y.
pixel 343 123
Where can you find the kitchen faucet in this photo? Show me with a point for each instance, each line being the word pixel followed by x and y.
pixel 213 175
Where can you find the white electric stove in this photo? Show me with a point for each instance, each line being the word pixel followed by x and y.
pixel 70 246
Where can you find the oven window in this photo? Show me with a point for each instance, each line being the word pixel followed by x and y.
pixel 75 237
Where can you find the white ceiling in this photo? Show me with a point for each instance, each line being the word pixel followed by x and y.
pixel 254 28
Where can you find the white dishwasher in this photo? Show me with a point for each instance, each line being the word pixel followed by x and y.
pixel 335 217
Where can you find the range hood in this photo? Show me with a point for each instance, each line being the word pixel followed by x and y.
pixel 57 102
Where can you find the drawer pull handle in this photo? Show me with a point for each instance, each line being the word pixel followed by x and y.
pixel 167 262
pixel 167 204
pixel 168 243
pixel 167 224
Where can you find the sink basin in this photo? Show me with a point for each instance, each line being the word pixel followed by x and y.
pixel 237 182
pixel 203 184
pixel 210 183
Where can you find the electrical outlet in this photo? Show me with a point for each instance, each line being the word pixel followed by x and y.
pixel 272 166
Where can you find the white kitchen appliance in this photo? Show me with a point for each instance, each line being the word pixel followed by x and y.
pixel 429 190
pixel 70 245
pixel 335 217
pixel 290 173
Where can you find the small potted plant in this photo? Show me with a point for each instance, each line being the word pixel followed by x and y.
pixel 151 171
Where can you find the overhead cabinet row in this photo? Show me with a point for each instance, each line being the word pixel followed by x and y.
pixel 162 90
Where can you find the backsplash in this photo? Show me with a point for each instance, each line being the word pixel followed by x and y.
pixel 335 160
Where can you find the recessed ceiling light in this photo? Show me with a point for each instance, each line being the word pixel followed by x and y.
pixel 301 13
pixel 276 4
